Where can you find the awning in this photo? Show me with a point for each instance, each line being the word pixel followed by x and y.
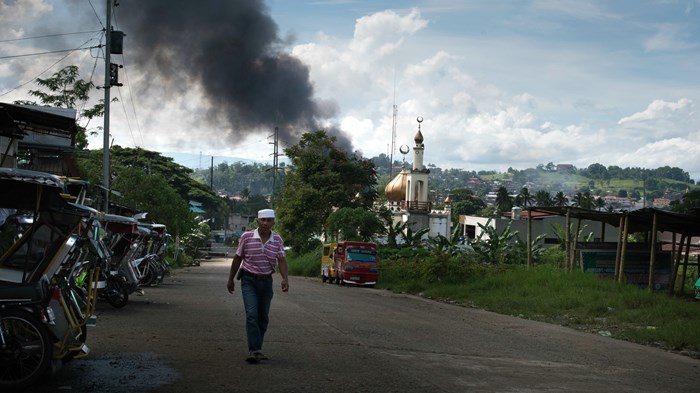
pixel 16 121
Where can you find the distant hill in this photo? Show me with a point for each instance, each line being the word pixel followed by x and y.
pixel 243 176
pixel 202 161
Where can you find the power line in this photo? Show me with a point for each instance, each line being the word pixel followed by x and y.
pixel 47 69
pixel 96 15
pixel 92 74
pixel 48 36
pixel 131 97
pixel 46 53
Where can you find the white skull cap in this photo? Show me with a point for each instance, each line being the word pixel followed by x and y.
pixel 266 213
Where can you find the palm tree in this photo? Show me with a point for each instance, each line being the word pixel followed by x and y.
pixel 560 199
pixel 525 197
pixel 583 200
pixel 599 203
pixel 503 201
pixel 543 198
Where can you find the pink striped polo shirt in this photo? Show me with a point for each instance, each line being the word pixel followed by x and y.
pixel 259 258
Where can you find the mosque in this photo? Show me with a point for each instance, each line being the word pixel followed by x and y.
pixel 407 195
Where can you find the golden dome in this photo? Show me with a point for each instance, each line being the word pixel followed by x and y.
pixel 418 138
pixel 395 191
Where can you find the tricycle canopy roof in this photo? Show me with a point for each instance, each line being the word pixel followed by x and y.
pixel 31 190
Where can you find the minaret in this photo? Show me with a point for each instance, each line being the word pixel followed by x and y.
pixel 417 179
pixel 418 149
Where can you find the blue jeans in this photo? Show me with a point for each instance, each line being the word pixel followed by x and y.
pixel 257 296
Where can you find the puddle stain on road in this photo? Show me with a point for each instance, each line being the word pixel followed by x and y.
pixel 122 372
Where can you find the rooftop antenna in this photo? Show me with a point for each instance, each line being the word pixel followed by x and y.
pixel 393 133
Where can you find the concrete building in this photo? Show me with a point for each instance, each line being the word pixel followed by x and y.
pixel 548 225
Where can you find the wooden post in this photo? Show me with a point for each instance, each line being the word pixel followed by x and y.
pixel 529 238
pixel 618 254
pixel 575 243
pixel 652 259
pixel 567 237
pixel 623 252
pixel 685 263
pixel 677 261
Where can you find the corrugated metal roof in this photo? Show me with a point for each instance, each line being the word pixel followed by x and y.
pixel 640 220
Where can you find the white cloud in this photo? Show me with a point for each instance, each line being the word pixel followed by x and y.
pixel 660 109
pixel 660 114
pixel 676 152
pixel 382 33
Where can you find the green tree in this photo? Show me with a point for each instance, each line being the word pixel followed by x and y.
pixel 464 202
pixel 560 199
pixel 151 193
pixel 598 172
pixel 153 163
pixel 503 200
pixel 354 224
pixel 323 177
pixel 689 201
pixel 583 200
pixel 599 203
pixel 525 197
pixel 66 90
pixel 543 198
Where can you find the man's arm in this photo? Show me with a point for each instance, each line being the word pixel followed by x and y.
pixel 282 261
pixel 235 264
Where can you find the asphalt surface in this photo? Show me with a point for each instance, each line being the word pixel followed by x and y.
pixel 188 335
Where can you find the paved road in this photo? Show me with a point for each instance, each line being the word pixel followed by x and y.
pixel 187 335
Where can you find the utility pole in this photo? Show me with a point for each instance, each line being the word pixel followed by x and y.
pixel 275 160
pixel 105 141
pixel 211 174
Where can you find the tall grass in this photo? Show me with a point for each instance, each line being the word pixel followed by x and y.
pixel 545 292
pixel 306 265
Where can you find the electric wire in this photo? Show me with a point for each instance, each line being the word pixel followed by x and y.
pixel 92 75
pixel 131 98
pixel 48 68
pixel 96 15
pixel 48 36
pixel 45 53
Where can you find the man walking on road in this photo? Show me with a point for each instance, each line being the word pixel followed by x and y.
pixel 258 252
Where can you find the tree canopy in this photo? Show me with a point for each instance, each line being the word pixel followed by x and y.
pixel 141 164
pixel 322 177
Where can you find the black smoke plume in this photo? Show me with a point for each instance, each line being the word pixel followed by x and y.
pixel 233 51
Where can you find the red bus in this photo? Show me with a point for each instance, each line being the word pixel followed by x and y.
pixel 356 263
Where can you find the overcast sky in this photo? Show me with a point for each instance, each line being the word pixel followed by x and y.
pixel 499 84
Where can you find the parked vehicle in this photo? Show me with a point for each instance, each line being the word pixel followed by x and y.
pixel 47 281
pixel 327 264
pixel 125 240
pixel 158 267
pixel 356 263
pixel 151 264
